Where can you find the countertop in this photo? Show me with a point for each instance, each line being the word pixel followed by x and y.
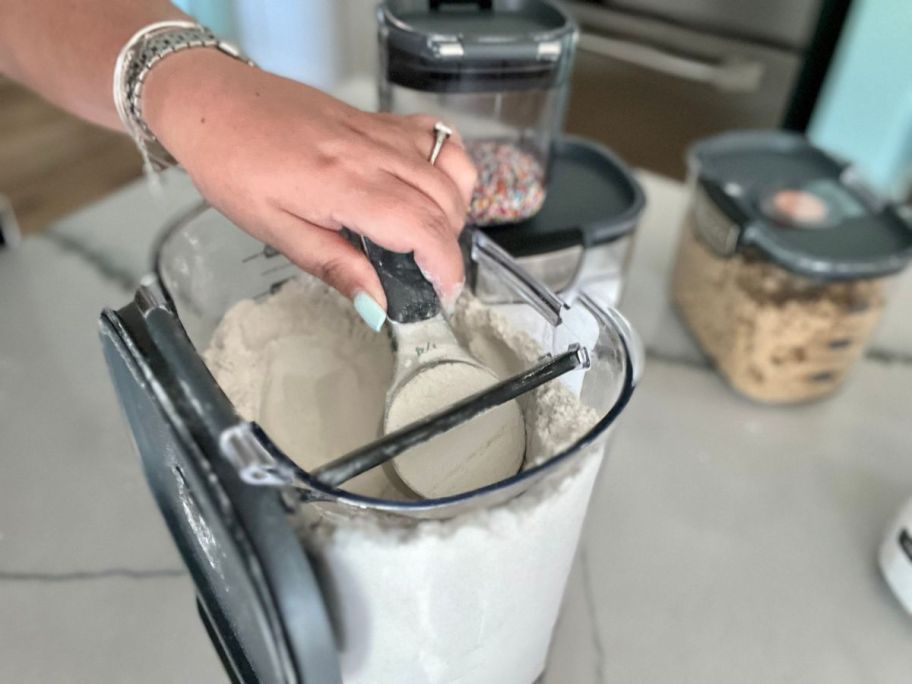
pixel 726 541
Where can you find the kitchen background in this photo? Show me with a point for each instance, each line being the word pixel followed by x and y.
pixel 748 555
pixel 651 77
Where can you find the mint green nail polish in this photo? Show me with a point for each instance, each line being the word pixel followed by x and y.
pixel 369 310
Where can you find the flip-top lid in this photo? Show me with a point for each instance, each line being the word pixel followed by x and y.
pixel 799 206
pixel 258 595
pixel 476 45
pixel 592 199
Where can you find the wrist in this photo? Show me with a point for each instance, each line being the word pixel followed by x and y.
pixel 180 90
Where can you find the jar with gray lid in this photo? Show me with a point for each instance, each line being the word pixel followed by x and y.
pixel 784 263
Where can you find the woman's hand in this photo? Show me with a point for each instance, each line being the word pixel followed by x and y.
pixel 292 166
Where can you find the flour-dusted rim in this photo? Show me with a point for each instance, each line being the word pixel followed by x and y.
pixel 534 292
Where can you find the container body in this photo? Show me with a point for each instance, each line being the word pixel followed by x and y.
pixel 499 74
pixel 473 598
pixel 776 336
pixel 466 588
pixel 599 271
pixel 507 134
pixel 582 238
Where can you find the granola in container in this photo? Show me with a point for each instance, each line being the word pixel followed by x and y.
pixel 784 264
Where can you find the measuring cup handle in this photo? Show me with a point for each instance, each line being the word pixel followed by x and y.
pixel 409 295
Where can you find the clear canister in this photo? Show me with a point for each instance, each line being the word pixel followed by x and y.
pixel 461 588
pixel 498 70
pixel 784 263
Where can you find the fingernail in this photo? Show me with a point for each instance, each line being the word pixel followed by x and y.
pixel 370 312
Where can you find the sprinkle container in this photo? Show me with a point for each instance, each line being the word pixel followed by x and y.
pixel 498 71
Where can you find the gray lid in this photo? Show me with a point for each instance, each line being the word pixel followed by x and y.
pixel 592 199
pixel 804 209
pixel 469 45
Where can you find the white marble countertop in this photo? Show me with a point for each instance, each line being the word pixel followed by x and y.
pixel 726 541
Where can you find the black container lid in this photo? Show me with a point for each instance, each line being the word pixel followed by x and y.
pixel 257 593
pixel 801 207
pixel 592 199
pixel 476 45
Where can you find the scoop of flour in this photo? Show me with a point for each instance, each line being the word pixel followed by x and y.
pixel 484 450
pixel 303 365
pixel 322 397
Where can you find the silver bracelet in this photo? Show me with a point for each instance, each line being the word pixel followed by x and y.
pixel 149 46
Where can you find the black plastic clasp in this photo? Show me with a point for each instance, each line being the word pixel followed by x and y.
pixel 484 5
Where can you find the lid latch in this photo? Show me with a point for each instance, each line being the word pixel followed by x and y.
pixel 447 48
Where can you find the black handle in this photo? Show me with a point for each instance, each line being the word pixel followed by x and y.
pixel 482 4
pixel 409 295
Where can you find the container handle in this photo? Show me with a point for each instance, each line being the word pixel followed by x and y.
pixel 484 5
pixel 633 343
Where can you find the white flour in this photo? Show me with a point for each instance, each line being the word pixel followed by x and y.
pixel 472 598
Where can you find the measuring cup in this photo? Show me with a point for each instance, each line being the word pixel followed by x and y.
pixel 471 582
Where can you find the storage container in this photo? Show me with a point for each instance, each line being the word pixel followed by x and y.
pixel 784 263
pixel 582 238
pixel 288 571
pixel 497 70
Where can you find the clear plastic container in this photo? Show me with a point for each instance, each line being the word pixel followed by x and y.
pixel 471 582
pixel 499 72
pixel 784 264
pixel 582 238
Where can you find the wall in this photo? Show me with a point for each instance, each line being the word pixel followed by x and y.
pixel 865 110
pixel 320 42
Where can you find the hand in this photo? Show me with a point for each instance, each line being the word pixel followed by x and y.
pixel 292 166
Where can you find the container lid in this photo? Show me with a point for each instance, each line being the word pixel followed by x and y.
pixel 804 209
pixel 592 199
pixel 476 45
pixel 257 594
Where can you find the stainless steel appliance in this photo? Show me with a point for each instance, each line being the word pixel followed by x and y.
pixel 653 76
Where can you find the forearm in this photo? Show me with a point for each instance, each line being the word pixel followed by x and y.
pixel 287 163
pixel 66 49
